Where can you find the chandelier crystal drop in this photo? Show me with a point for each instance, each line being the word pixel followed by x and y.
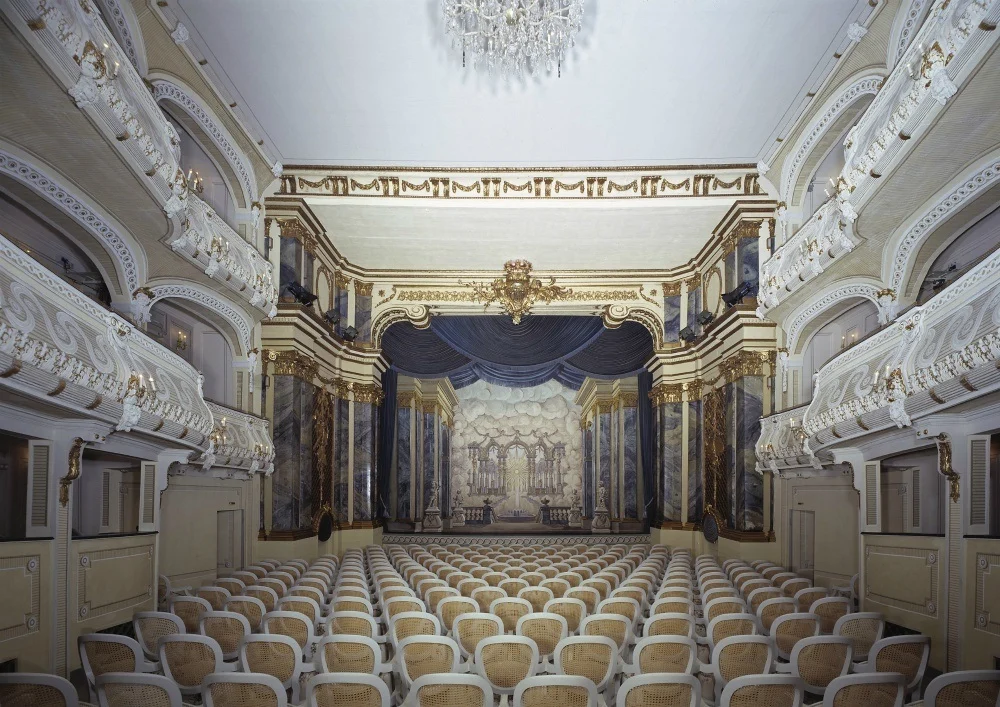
pixel 513 36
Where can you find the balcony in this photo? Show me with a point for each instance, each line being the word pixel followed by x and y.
pixel 61 349
pixel 933 357
pixel 73 40
pixel 942 56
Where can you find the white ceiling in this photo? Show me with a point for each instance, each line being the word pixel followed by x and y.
pixel 651 81
pixel 406 235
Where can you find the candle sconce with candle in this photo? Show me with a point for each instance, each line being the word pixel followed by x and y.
pixel 138 390
pixel 181 342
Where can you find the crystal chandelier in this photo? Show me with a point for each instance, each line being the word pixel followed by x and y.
pixel 514 36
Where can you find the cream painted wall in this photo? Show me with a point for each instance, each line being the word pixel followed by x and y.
pixel 981 629
pixel 833 500
pixel 905 579
pixel 189 530
pixel 109 580
pixel 25 594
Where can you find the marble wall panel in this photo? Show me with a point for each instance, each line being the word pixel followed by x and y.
pixel 428 440
pixel 606 456
pixel 588 472
pixel 695 499
pixel 630 469
pixel 289 269
pixel 732 272
pixel 446 486
pixel 670 443
pixel 340 303
pixel 364 459
pixel 363 317
pixel 729 455
pixel 694 307
pixel 341 474
pixel 749 496
pixel 672 318
pixel 292 482
pixel 403 467
pixel 748 257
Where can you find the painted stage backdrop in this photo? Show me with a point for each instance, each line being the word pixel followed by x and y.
pixel 515 447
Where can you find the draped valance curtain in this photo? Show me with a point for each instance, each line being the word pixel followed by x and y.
pixel 539 349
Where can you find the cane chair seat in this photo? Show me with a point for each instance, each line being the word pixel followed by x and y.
pixel 866 690
pixel 506 660
pixel 651 690
pixel 510 610
pixel 37 690
pixel 676 624
pixel 485 596
pixel 789 629
pixel 588 595
pixel 591 657
pixel 228 629
pixel 151 626
pixel 471 628
pixel 545 629
pixel 964 688
pixel 864 629
pixel 266 595
pixel 818 660
pixel 663 654
pixel 573 610
pixel 340 689
pixel 771 609
pixel 829 609
pixel 763 691
pixel 536 596
pixel 350 654
pixel 189 659
pixel 275 655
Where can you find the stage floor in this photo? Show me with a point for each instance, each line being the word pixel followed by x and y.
pixel 516 529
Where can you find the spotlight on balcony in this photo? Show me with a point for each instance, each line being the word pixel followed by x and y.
pixel 687 334
pixel 332 317
pixel 747 288
pixel 301 294
pixel 705 317
pixel 350 334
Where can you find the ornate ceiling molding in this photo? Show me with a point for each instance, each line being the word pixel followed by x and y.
pixel 524 184
pixel 128 257
pixel 171 90
pixel 904 27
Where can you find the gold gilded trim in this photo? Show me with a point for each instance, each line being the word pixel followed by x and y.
pixel 664 393
pixel 73 470
pixel 363 289
pixel 290 363
pixel 368 393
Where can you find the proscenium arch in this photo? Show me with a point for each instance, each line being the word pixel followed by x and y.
pixel 236 166
pixel 126 254
pixel 233 324
pixel 124 25
pixel 808 317
pixel 901 257
pixel 847 94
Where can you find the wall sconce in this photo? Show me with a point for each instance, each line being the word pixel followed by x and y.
pixel 195 182
pixel 181 343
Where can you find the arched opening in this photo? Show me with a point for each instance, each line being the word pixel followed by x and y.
pixel 838 328
pixel 45 234
pixel 196 159
pixel 199 341
pixel 958 255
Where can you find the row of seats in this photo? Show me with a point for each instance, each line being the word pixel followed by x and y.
pixel 639 626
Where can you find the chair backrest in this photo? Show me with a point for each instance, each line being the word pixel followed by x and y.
pixel 672 605
pixel 279 586
pixel 228 628
pixel 354 689
pixel 591 657
pixel 536 596
pixel 238 689
pixel 307 591
pixel 188 658
pixel 660 690
pixel 804 598
pixel 266 595
pixel 724 605
pixel 339 603
pixel 413 623
pixel 613 626
pixel 864 629
pixel 275 655
pixel 771 609
pixel 763 690
pixel 622 606
pixel 820 659
pixel 232 585
pixel 151 626
pixel 545 629
pixel 829 609
pixel 791 587
pixel 450 607
pixel 726 625
pixel 216 596
pixel 303 605
pixel 102 653
pixel 906 655
pixel 573 610
pixel 506 660
pixel 510 609
pixel 789 629
pixel 130 689
pixel 964 687
pixel 760 595
pixel 471 628
pixel 289 623
pixel 869 689
pixel 348 654
pixel 427 655
pixel 675 624
pixel 542 690
pixel 741 655
pixel 485 596
pixel 665 654
pixel 37 689
pixel 435 690
pixel 190 610
pixel 588 595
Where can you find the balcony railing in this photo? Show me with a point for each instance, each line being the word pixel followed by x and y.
pixel 934 356
pixel 60 347
pixel 942 56
pixel 79 47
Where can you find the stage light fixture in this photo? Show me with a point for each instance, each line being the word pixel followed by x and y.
pixel 350 334
pixel 688 334
pixel 746 288
pixel 705 317
pixel 332 317
pixel 301 294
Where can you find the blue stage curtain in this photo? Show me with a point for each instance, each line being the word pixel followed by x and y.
pixel 541 348
pixel 386 442
pixel 647 441
pixel 536 340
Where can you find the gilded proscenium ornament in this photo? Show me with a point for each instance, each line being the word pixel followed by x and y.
pixel 517 290
pixel 945 465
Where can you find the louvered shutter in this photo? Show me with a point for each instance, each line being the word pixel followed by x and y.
pixel 147 496
pixel 979 484
pixel 39 474
pixel 873 497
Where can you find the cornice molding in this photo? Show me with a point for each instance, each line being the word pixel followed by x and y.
pixel 569 183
